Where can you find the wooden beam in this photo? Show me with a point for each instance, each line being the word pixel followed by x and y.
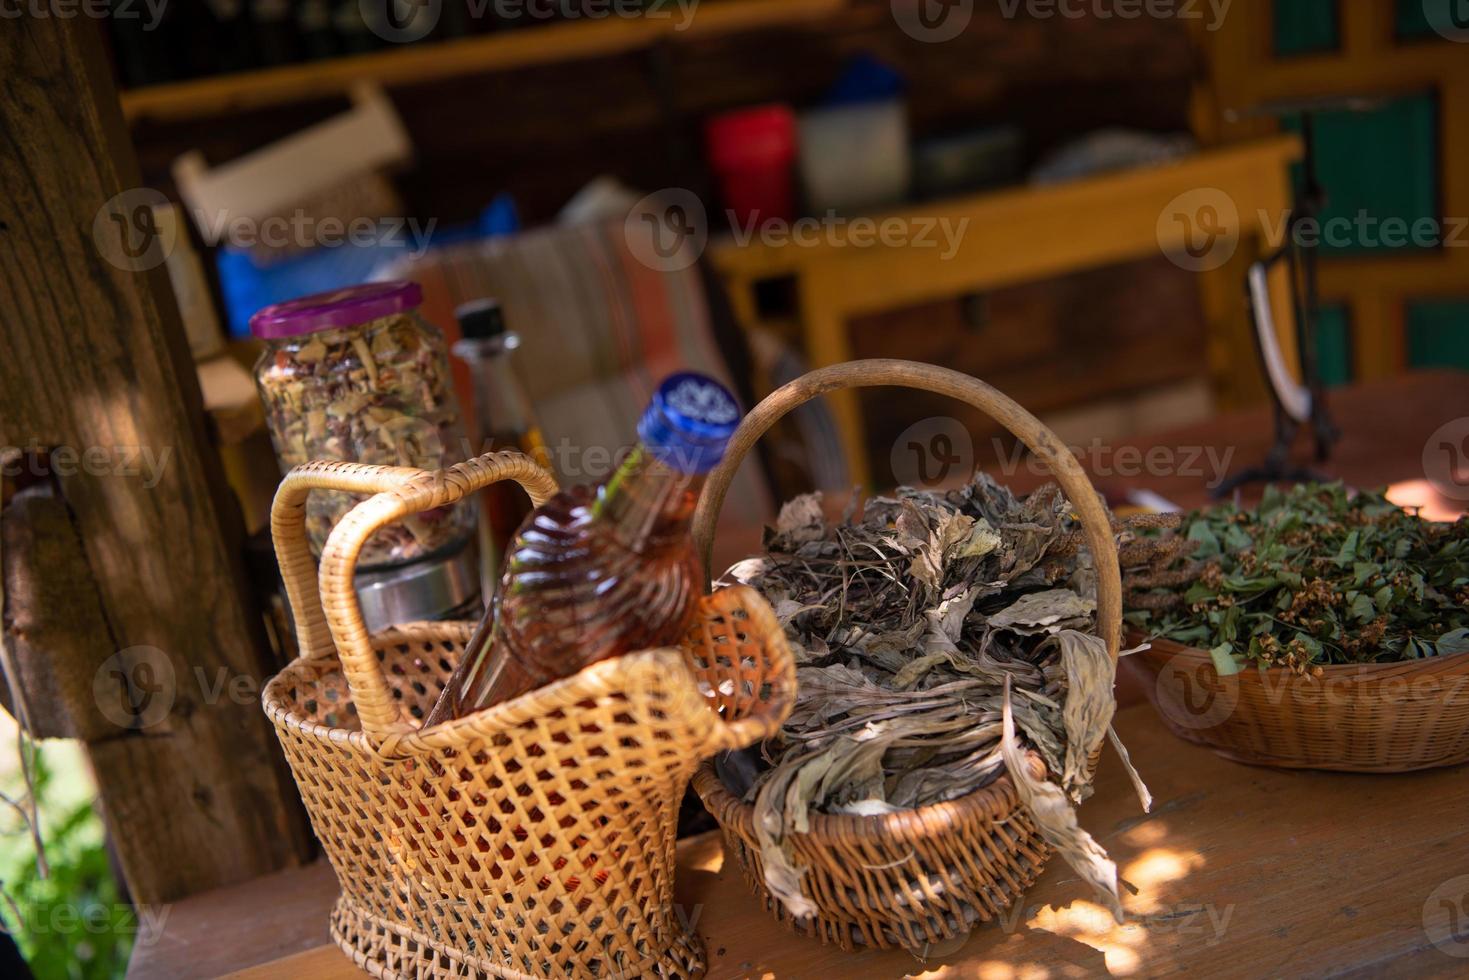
pixel 1023 234
pixel 96 370
pixel 54 629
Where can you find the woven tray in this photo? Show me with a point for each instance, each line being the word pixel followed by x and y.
pixel 534 838
pixel 923 877
pixel 1390 717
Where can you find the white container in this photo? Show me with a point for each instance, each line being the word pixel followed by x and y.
pixel 855 157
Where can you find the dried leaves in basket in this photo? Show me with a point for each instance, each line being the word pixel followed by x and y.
pixel 1313 576
pixel 921 629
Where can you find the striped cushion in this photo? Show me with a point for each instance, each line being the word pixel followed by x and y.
pixel 599 330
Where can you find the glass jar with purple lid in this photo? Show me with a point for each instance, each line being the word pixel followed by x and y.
pixel 356 374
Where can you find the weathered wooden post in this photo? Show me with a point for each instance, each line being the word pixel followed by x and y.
pixel 125 553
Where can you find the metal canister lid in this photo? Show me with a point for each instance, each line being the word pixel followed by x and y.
pixel 434 587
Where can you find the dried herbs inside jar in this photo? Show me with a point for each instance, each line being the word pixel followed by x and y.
pixel 356 375
pixel 1314 576
pixel 940 640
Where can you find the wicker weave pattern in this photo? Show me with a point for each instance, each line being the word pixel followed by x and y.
pixel 535 838
pixel 925 876
pixel 1391 717
pixel 907 880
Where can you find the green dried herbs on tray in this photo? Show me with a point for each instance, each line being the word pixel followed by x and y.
pixel 1313 576
pixel 938 637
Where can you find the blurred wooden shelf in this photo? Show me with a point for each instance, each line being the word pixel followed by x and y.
pixel 433 61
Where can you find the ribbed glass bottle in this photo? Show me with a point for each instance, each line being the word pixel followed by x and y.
pixel 598 573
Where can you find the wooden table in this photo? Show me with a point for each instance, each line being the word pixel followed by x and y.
pixel 1385 426
pixel 1239 872
pixel 1028 234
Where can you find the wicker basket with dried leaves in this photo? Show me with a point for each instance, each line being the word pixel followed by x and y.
pixel 956 657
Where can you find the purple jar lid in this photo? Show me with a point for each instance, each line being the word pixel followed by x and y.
pixel 337 308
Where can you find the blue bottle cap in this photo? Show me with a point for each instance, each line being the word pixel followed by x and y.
pixel 689 421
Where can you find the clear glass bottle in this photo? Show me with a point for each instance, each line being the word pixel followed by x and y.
pixel 505 420
pixel 357 375
pixel 598 573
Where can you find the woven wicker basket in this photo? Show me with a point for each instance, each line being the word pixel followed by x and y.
pixel 535 838
pixel 923 877
pixel 1390 717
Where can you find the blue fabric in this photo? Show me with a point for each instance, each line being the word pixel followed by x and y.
pixel 248 286
pixel 866 79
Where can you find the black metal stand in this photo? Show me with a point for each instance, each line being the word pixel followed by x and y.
pixel 1302 263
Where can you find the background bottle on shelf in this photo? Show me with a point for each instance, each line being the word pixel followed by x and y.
pixel 354 35
pixel 314 29
pixel 454 19
pixel 214 37
pixel 594 574
pixel 506 420
pixel 277 39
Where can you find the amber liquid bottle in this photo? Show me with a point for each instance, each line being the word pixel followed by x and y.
pixel 598 573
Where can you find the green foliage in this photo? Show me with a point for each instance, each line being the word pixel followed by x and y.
pixel 1314 576
pixel 72 924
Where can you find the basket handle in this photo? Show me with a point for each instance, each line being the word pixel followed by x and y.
pixel 748 718
pixel 1039 439
pixel 324 604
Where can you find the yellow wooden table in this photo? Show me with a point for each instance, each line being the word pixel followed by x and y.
pixel 1241 194
pixel 1239 872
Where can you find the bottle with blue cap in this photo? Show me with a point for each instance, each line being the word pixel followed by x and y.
pixel 596 573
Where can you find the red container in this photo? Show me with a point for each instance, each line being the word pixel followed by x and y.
pixel 752 152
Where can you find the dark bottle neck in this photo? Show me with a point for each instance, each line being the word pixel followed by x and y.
pixel 649 504
pixel 500 398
